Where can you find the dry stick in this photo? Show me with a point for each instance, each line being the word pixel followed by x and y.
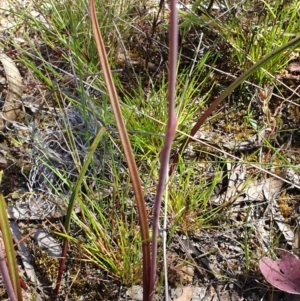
pixel 136 182
pixel 170 134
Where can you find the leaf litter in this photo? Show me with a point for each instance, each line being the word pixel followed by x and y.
pixel 218 253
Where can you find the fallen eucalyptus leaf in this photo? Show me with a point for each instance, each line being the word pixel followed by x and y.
pixel 12 103
pixel 283 273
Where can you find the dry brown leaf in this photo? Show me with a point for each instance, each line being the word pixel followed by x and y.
pixel 256 191
pixel 24 253
pixel 12 103
pixel 3 162
pixel 253 192
pixel 185 272
pixel 47 242
pixel 187 293
pixel 288 76
pixel 294 67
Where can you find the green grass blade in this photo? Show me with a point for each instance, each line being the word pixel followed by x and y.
pixel 9 248
pixel 81 175
pixel 75 191
pixel 229 90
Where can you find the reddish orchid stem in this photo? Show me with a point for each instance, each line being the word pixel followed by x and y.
pixel 6 278
pixel 170 134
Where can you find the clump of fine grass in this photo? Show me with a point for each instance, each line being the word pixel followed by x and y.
pixel 252 30
pixel 61 59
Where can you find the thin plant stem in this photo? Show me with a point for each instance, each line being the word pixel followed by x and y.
pixel 170 134
pixel 164 237
pixel 5 276
pixel 228 91
pixel 9 248
pixel 134 174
